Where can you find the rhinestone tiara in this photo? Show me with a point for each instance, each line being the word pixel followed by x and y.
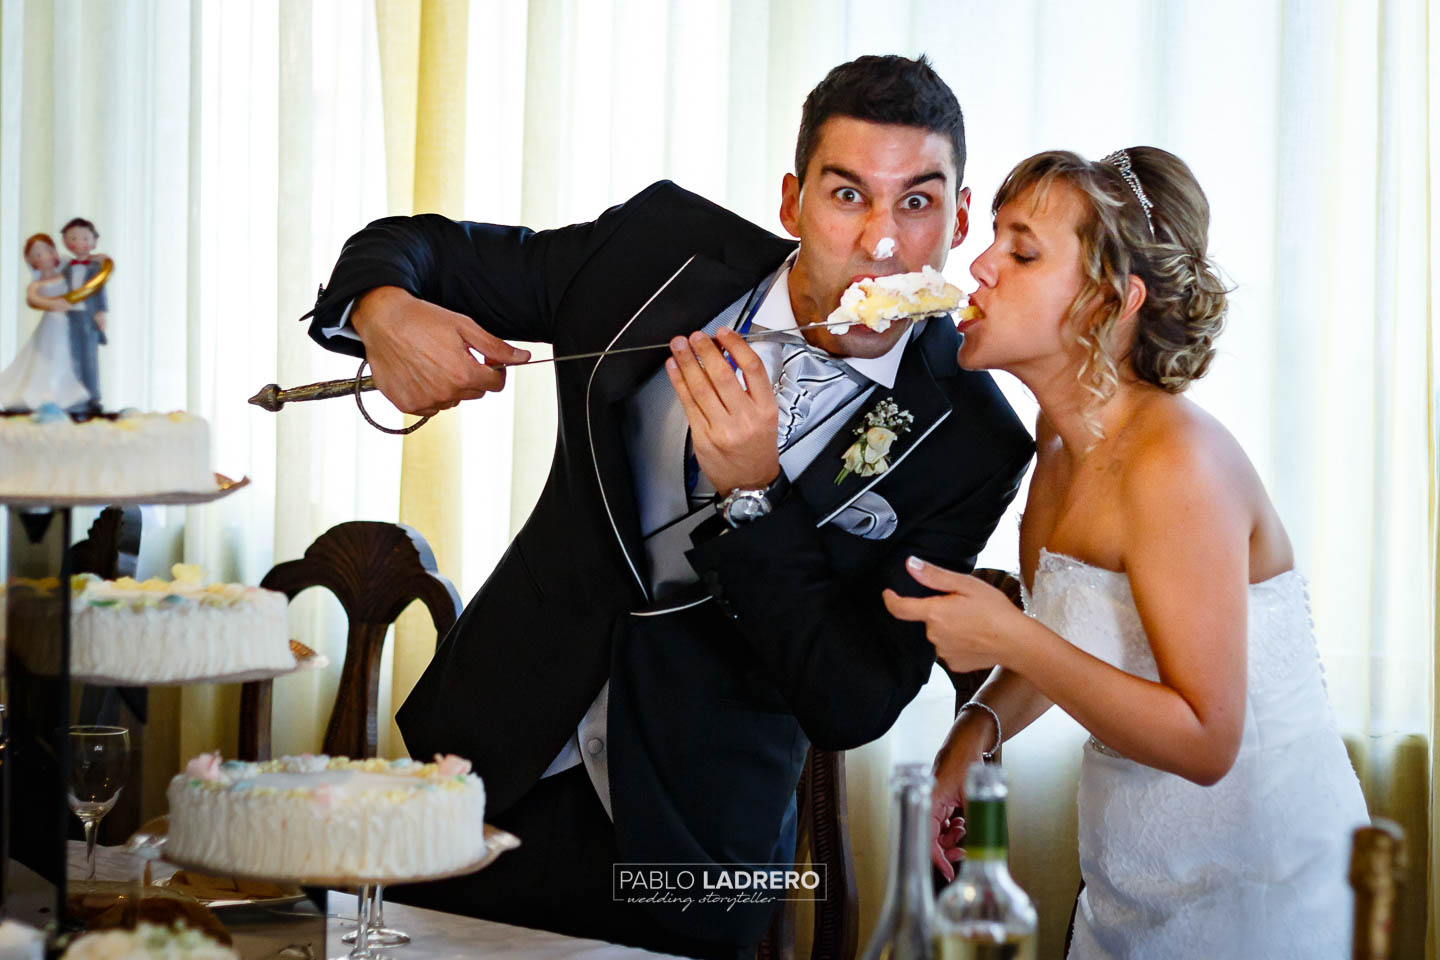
pixel 1120 160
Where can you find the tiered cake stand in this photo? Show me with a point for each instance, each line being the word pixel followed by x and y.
pixel 34 762
pixel 35 714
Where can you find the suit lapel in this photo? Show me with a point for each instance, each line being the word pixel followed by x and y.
pixel 932 355
pixel 685 302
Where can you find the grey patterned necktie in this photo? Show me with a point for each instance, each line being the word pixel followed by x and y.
pixel 806 373
pixel 811 385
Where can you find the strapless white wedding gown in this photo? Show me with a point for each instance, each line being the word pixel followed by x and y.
pixel 1253 866
pixel 44 369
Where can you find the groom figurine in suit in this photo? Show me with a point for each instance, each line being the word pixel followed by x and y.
pixel 695 599
pixel 87 318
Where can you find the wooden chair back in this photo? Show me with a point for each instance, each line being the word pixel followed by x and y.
pixel 375 570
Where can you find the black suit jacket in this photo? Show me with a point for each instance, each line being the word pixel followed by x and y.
pixel 716 696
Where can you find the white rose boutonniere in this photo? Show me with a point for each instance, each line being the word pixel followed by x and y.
pixel 877 433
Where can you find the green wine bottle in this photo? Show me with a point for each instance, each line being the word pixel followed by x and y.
pixel 983 914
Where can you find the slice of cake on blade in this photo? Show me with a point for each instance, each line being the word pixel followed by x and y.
pixel 125 455
pixel 315 818
pixel 876 302
pixel 152 631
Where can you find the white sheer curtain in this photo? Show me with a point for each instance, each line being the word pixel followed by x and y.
pixel 227 149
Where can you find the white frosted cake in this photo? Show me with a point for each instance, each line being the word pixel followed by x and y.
pixel 148 941
pixel 153 631
pixel 125 455
pixel 317 818
pixel 876 302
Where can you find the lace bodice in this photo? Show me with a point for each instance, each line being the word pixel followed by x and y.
pixel 1094 609
pixel 1251 866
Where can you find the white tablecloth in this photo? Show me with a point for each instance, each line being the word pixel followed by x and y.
pixel 442 936
pixel 433 935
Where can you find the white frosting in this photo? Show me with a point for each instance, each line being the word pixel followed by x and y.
pixel 19 942
pixel 148 941
pixel 884 249
pixel 876 301
pixel 366 819
pixel 159 631
pixel 135 455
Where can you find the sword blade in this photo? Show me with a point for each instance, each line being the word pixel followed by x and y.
pixel 758 335
pixel 272 398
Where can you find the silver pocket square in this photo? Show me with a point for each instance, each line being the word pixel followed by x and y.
pixel 869 515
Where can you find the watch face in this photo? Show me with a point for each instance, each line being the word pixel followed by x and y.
pixel 745 509
pixel 748 507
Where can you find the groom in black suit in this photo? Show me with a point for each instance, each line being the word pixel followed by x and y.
pixel 695 599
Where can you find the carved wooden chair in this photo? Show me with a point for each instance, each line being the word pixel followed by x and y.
pixel 375 570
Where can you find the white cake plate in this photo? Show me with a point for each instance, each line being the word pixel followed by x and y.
pixel 497 841
pixel 305 659
pixel 224 486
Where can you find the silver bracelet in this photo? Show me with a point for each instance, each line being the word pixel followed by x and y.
pixel 989 755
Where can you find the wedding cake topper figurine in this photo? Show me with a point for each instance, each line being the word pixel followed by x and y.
pixel 51 368
pixel 87 316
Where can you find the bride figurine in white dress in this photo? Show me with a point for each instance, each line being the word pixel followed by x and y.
pixel 1216 800
pixel 44 370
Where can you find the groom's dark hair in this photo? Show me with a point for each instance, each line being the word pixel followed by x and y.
pixel 80 222
pixel 888 89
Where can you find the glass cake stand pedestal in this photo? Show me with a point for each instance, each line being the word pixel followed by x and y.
pixel 368 934
pixel 380 935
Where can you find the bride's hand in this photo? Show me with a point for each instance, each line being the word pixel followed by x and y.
pixel 968 622
pixel 947 799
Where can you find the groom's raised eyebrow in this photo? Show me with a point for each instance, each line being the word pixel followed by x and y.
pixel 859 181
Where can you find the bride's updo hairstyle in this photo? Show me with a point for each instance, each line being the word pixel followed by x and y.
pixel 1145 215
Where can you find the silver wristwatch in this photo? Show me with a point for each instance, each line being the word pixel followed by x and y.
pixel 744 505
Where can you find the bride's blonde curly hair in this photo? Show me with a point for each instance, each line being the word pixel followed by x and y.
pixel 1185 299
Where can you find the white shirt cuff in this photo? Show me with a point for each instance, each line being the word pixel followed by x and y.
pixel 342 328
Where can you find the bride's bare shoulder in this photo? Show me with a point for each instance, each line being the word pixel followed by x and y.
pixel 1178 448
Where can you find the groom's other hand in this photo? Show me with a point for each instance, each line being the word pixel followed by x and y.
pixel 732 425
pixel 423 357
pixel 100 321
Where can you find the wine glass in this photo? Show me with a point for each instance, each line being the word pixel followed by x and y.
pixel 99 759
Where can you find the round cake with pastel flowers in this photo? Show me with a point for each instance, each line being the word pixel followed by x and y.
pixel 327 819
pixel 151 631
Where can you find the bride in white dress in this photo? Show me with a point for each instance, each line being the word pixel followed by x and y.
pixel 44 369
pixel 1216 799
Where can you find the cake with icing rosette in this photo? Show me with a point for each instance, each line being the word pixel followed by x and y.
pixel 128 455
pixel 877 302
pixel 152 631
pixel 317 818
